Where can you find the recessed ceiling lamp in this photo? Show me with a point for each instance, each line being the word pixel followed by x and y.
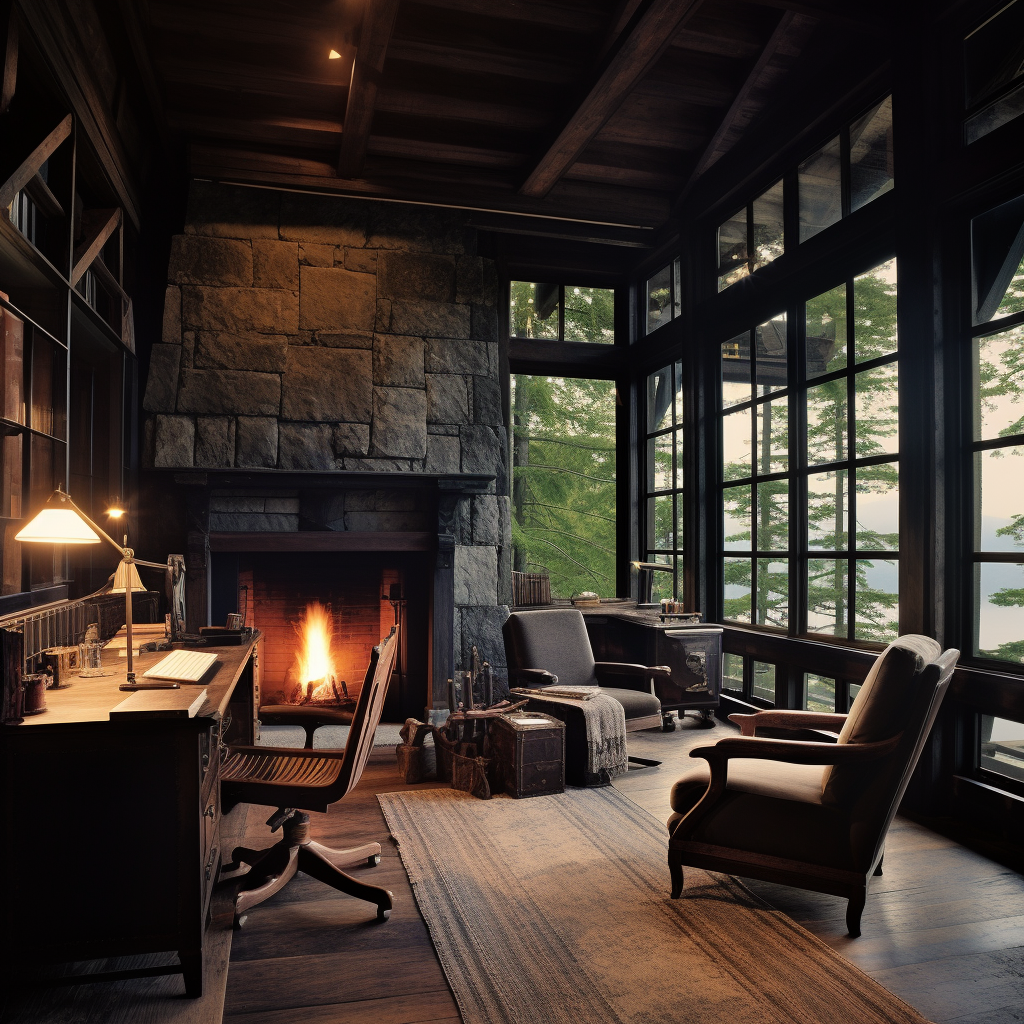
pixel 334 55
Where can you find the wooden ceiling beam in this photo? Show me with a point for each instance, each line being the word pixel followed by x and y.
pixel 583 19
pixel 308 133
pixel 645 38
pixel 861 12
pixel 378 23
pixel 134 15
pixel 449 108
pixel 8 53
pixel 482 62
pixel 99 226
pixel 28 168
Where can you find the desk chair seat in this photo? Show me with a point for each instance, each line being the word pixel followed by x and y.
pixel 295 781
pixel 309 717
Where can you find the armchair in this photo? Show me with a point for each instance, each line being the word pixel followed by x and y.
pixel 812 814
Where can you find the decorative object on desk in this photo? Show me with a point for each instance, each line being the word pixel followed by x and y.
pixel 645 582
pixel 61 521
pixel 222 636
pixel 531 588
pixel 12 662
pixel 61 663
pixel 588 599
pixel 90 660
pixel 34 686
pixel 234 621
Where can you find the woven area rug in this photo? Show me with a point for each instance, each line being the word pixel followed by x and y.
pixel 556 909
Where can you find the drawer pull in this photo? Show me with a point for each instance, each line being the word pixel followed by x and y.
pixel 206 763
pixel 210 863
pixel 211 811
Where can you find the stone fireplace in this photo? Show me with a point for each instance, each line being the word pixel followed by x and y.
pixel 326 390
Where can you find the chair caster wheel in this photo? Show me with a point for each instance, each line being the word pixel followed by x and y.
pixel 383 913
pixel 668 723
pixel 373 861
pixel 240 919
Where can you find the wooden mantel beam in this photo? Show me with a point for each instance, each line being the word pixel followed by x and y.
pixel 647 35
pixel 26 171
pixel 378 22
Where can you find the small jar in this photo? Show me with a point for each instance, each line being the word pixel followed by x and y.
pixel 34 686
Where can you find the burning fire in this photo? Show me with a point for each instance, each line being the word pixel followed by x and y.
pixel 314 663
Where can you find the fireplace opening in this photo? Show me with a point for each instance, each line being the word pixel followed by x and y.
pixel 355 598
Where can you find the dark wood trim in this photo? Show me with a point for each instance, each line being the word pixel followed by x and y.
pixel 378 22
pixel 567 358
pixel 323 540
pixel 28 168
pixel 99 226
pixel 9 53
pixel 647 35
pixel 135 17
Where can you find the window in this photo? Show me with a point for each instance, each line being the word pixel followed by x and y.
pixel 809 467
pixel 751 238
pixel 663 491
pixel 563 482
pixel 557 312
pixel 997 440
pixel 994 73
pixel 664 300
pixel 1001 747
pixel 819 693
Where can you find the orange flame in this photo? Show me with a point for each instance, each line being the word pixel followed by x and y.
pixel 313 659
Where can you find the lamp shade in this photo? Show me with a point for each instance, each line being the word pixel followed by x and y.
pixel 58 526
pixel 126 573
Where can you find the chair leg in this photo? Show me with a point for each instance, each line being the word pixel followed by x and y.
pixel 878 870
pixel 675 869
pixel 316 864
pixel 638 763
pixel 853 911
pixel 192 972
pixel 267 877
pixel 369 852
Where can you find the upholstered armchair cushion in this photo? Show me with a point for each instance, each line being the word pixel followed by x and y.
pixel 556 640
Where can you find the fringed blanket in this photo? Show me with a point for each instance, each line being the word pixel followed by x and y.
pixel 605 722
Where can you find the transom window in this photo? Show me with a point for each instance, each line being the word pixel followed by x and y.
pixel 557 312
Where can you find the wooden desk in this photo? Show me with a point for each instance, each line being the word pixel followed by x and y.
pixel 112 839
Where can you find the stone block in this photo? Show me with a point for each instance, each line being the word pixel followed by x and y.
pixel 487 401
pixel 415 229
pixel 306 446
pixel 312 254
pixel 444 454
pixel 403 275
pixel 326 510
pixel 238 503
pixel 447 398
pixel 229 392
pixel 286 504
pixel 362 261
pixel 174 442
pixel 385 522
pixel 188 349
pixel 351 438
pixel 253 522
pixel 482 450
pixel 326 385
pixel 469 279
pixel 395 501
pixel 332 298
pixel 229 350
pixel 430 319
pixel 198 259
pixel 171 329
pixel 487 524
pixel 481 627
pixel 228 211
pixel 162 382
pixel 263 310
pixel 215 442
pixel 344 339
pixel 454 356
pixel 256 442
pixel 485 322
pixel 476 575
pixel 397 361
pixel 360 501
pixel 275 264
pixel 382 318
pixel 326 219
pixel 399 423
pixel 490 289
pixel 382 465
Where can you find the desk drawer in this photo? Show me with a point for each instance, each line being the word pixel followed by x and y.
pixel 210 858
pixel 209 761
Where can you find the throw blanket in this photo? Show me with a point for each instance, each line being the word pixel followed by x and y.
pixel 606 731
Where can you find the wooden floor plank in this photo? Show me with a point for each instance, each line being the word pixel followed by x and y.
pixel 434 1006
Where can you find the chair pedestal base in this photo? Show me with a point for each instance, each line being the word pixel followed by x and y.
pixel 271 870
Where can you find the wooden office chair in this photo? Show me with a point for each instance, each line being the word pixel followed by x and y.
pixel 808 814
pixel 296 781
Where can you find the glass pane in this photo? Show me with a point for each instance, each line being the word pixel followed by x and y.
pixel 660 522
pixel 819 693
pixel 1002 747
pixel 590 315
pixel 773 516
pixel 854 690
pixel 820 190
pixel 659 400
pixel 732 250
pixel 659 299
pixel 12 367
pixel 736 443
pixel 677 287
pixel 771 372
pixel 659 463
pixel 732 672
pixel 10 496
pixel 877 411
pixel 828 596
pixel 874 312
pixel 828 507
pixel 826 423
pixel 49 386
pixel 680 511
pixel 679 392
pixel 878 507
pixel 773 437
pixel 763 680
pixel 736 510
pixel 871 155
pixel 999 384
pixel 563 482
pixel 662 586
pixel 995 115
pixel 876 611
pixel 999 499
pixel 997 251
pixel 989 51
pixel 826 332
pixel 736 589
pixel 736 370
pixel 772 605
pixel 769 226
pixel 533 310
pixel 679 458
pixel 998 616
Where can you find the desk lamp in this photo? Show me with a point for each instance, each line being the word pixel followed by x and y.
pixel 61 521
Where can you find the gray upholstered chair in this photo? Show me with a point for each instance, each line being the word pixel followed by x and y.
pixel 808 814
pixel 551 646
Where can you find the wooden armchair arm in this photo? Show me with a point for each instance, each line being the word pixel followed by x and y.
pixel 534 677
pixel 615 673
pixel 787 720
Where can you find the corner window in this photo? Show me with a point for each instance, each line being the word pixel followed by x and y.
pixel 664 297
pixel 556 312
pixel 752 238
pixel 994 73
pixel 663 490
pixel 1001 747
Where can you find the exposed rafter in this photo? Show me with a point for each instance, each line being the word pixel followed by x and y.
pixel 645 38
pixel 27 169
pixel 99 226
pixel 378 21
pixel 135 15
